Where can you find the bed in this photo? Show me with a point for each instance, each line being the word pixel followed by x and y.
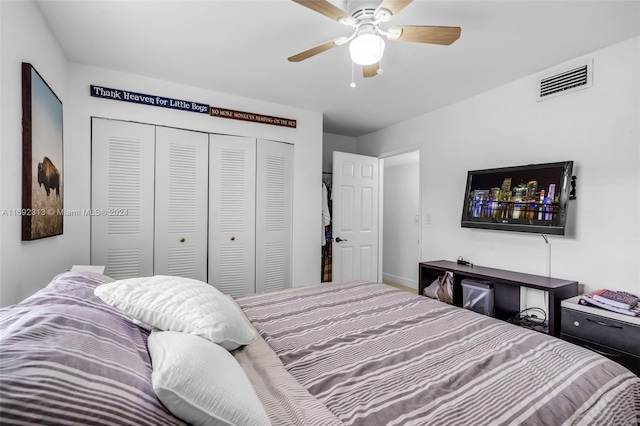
pixel 355 353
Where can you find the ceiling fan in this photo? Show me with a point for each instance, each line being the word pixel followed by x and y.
pixel 367 40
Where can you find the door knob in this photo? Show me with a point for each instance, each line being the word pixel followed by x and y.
pixel 182 240
pixel 233 238
pixel 339 240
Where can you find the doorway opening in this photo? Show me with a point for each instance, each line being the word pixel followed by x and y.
pixel 401 220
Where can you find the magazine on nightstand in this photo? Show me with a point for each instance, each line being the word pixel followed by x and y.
pixel 616 298
pixel 589 299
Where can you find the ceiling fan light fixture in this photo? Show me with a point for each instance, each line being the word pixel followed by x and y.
pixel 366 49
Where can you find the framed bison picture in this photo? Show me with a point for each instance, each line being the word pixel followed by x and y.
pixel 42 172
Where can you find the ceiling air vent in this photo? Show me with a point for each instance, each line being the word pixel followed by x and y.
pixel 570 79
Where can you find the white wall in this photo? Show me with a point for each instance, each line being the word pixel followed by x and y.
pixel 332 142
pixel 1 84
pixel 597 128
pixel 26 267
pixel 401 232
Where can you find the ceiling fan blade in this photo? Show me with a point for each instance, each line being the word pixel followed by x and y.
pixel 370 70
pixel 393 6
pixel 426 34
pixel 325 8
pixel 313 51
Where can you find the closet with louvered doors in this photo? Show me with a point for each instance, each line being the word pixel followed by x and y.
pixel 250 204
pixel 211 207
pixel 149 192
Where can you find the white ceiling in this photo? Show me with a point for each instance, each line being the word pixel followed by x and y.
pixel 241 48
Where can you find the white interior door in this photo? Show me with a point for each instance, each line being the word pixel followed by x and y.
pixel 232 217
pixel 273 215
pixel 122 186
pixel 355 217
pixel 181 194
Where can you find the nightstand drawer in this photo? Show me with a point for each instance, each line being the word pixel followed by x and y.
pixel 629 361
pixel 605 331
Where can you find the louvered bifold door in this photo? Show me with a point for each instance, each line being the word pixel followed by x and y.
pixel 181 194
pixel 232 163
pixel 273 215
pixel 122 186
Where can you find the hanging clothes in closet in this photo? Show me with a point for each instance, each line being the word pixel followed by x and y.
pixel 326 228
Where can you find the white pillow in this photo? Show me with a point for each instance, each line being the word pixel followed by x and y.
pixel 201 383
pixel 180 304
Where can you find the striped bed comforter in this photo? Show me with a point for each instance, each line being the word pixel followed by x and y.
pixel 374 355
pixel 68 358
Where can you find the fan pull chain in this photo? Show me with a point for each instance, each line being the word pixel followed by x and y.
pixel 379 70
pixel 353 83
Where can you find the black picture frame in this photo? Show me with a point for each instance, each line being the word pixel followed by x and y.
pixel 42 158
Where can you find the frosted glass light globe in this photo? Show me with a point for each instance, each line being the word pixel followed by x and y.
pixel 366 49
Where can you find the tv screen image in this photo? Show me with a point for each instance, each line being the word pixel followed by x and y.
pixel 531 198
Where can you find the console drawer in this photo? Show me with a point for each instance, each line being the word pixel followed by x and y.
pixel 629 361
pixel 605 331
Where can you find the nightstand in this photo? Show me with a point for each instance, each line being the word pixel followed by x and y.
pixel 613 335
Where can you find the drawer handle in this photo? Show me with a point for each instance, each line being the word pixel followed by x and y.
pixel 607 354
pixel 604 324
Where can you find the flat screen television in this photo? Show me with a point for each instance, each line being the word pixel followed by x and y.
pixel 531 198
